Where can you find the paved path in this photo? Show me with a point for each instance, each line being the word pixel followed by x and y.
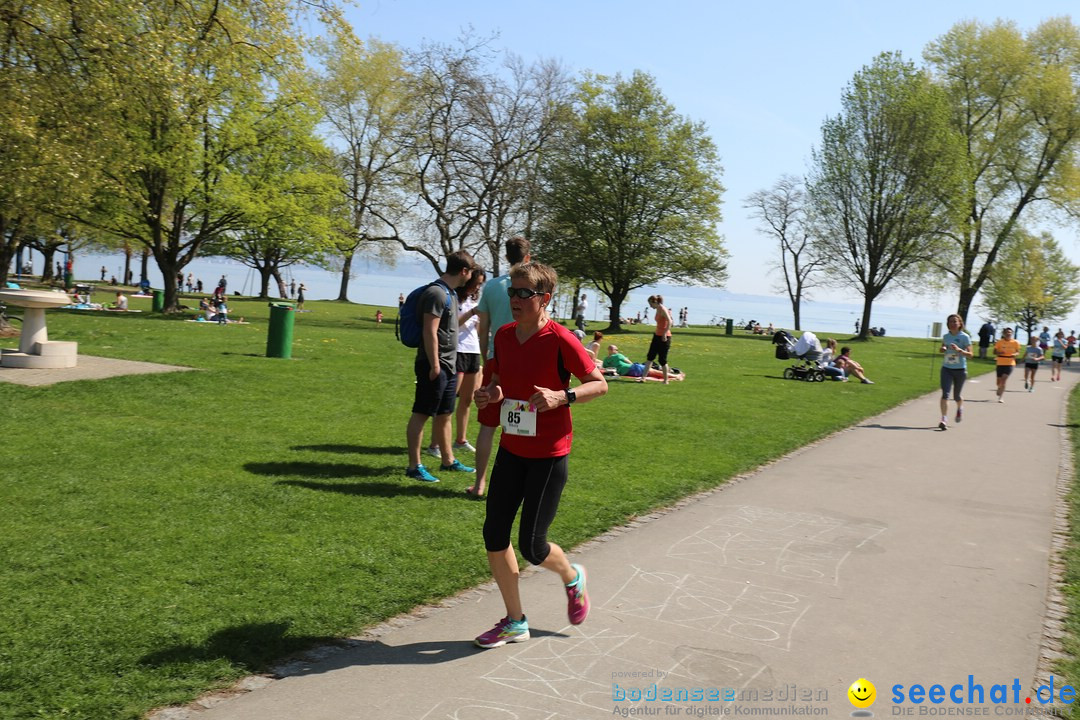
pixel 892 552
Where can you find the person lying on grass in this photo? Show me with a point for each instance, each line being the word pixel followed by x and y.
pixel 622 366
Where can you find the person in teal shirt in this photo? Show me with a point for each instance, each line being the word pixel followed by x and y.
pixel 624 367
pixel 956 347
pixel 1057 355
pixel 1033 355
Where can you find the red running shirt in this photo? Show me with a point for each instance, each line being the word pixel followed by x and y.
pixel 520 366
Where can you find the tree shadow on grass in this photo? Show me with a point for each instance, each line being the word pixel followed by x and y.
pixel 318 470
pixel 383 489
pixel 352 449
pixel 252 647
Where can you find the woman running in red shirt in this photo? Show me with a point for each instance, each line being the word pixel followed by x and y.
pixel 534 359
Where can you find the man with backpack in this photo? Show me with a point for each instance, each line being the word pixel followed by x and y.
pixel 436 312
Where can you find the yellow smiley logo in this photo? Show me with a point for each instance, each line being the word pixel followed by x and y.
pixel 862 693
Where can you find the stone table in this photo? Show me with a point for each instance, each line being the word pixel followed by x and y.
pixel 35 349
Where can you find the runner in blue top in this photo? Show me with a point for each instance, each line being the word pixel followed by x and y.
pixel 1033 354
pixel 1057 355
pixel 956 346
pixel 1044 339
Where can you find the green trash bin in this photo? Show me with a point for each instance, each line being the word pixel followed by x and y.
pixel 279 336
pixel 158 301
pixel 730 327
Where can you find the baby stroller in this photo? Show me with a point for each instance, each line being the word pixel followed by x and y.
pixel 808 370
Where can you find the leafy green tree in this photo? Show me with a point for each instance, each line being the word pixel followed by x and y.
pixel 1016 102
pixel 877 180
pixel 363 91
pixel 52 126
pixel 192 84
pixel 1034 282
pixel 285 193
pixel 631 193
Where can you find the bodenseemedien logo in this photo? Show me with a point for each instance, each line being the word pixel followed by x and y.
pixel 862 695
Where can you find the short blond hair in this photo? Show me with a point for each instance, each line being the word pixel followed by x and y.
pixel 540 276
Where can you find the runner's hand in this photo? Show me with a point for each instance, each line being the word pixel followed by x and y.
pixel 545 399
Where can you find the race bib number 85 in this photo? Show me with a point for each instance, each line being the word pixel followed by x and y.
pixel 518 417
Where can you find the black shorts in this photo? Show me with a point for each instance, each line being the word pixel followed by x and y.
pixel 468 363
pixel 658 349
pixel 1031 366
pixel 433 397
pixel 1058 359
pixel 1004 370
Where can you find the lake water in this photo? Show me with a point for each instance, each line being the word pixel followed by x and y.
pixel 375 283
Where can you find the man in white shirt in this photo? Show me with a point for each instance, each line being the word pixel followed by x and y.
pixel 579 313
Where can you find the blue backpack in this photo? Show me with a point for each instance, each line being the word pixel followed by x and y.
pixel 409 322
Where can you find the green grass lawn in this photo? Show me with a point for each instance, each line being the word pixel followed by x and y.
pixel 1068 670
pixel 166 534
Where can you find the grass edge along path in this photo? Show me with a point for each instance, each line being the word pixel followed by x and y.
pixel 1060 655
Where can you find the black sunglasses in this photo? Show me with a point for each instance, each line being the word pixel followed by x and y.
pixel 523 293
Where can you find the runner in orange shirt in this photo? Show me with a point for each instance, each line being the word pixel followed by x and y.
pixel 1006 351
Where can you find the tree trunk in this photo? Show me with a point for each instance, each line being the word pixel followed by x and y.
pixel 169 268
pixel 864 329
pixel 127 264
pixel 144 269
pixel 963 307
pixel 47 272
pixel 346 271
pixel 796 307
pixel 280 283
pixel 8 250
pixel 615 318
pixel 265 272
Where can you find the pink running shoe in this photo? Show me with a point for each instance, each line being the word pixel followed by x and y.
pixel 505 631
pixel 577 607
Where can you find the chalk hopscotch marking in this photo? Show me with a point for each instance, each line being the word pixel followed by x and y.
pixel 458 708
pixel 579 669
pixel 802 546
pixel 728 607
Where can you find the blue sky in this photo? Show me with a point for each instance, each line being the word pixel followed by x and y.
pixel 761 76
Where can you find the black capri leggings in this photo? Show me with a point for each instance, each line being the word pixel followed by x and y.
pixel 658 348
pixel 952 379
pixel 534 483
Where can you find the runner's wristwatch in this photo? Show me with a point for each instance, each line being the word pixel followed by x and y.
pixel 571 396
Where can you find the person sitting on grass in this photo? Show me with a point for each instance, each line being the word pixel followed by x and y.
pixel 121 302
pixel 827 362
pixel 850 367
pixel 594 347
pixel 623 367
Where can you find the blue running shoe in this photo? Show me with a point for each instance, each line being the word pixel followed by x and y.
pixel 421 473
pixel 456 466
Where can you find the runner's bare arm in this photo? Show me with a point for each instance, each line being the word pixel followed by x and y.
pixel 592 386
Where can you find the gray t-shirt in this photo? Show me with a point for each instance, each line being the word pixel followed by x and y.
pixel 434 301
